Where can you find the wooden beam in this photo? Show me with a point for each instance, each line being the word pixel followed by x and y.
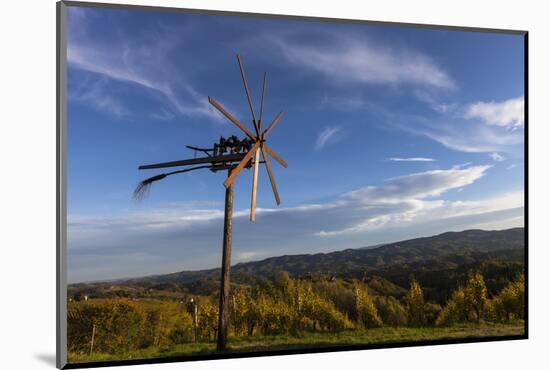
pixel 186 162
pixel 271 178
pixel 262 106
pixel 275 156
pixel 231 118
pixel 248 96
pixel 254 186
pixel 275 121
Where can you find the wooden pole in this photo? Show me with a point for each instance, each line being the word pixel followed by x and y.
pixel 226 265
pixel 195 318
pixel 92 341
pixel 196 312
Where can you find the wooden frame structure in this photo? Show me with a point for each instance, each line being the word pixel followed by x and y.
pixel 242 154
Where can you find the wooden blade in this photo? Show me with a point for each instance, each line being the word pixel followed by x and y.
pixel 262 105
pixel 248 95
pixel 275 121
pixel 240 166
pixel 231 118
pixel 254 185
pixel 271 178
pixel 275 156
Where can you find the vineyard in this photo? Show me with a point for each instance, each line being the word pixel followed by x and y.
pixel 290 313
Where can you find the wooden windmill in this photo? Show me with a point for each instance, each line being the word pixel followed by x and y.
pixel 231 154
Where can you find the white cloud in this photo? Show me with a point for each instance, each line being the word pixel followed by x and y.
pixel 411 159
pixel 497 157
pixel 508 113
pixel 456 128
pixel 457 133
pixel 327 136
pixel 249 256
pixel 344 58
pixel 419 185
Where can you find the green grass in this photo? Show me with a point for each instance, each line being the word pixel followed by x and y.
pixel 316 340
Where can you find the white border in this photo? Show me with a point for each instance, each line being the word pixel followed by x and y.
pixel 28 182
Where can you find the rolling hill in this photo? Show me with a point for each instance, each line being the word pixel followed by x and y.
pixel 438 262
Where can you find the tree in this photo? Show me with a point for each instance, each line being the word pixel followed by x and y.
pixel 469 303
pixel 367 314
pixel 510 302
pixel 283 280
pixel 207 318
pixel 476 294
pixel 415 304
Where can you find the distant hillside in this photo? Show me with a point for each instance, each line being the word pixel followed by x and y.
pixel 438 262
pixel 443 250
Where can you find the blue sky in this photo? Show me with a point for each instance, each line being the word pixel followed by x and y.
pixel 389 133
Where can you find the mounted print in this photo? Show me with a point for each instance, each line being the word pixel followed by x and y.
pixel 235 185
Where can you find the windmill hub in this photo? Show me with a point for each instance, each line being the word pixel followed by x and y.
pixel 232 145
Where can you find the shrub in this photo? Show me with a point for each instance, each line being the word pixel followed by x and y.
pixel 391 311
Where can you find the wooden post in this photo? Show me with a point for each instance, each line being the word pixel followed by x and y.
pixel 92 341
pixel 196 321
pixel 226 265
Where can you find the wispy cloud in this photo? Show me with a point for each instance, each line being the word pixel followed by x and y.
pixel 472 140
pixel 411 159
pixel 508 113
pixel 473 128
pixel 433 102
pixel 327 136
pixel 457 133
pixel 145 63
pixel 95 93
pixel 496 157
pixel 345 58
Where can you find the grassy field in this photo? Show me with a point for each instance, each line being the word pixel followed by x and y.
pixel 316 340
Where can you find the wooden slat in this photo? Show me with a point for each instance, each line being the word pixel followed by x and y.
pixel 231 118
pixel 248 96
pixel 240 166
pixel 254 186
pixel 275 156
pixel 262 105
pixel 275 121
pixel 186 162
pixel 271 178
